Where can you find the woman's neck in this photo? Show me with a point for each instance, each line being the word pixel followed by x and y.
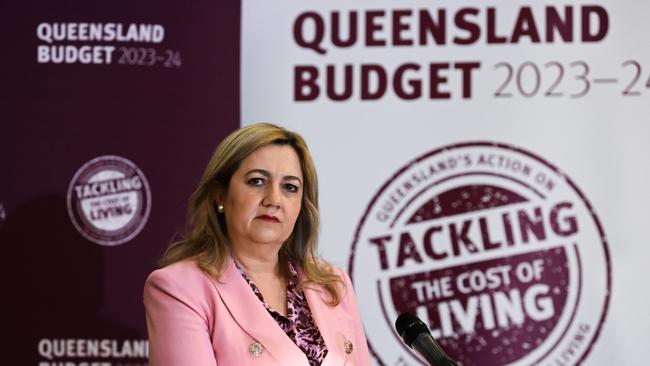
pixel 257 262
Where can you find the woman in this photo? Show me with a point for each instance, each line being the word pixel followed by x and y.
pixel 246 287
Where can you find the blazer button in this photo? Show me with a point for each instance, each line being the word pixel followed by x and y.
pixel 347 346
pixel 255 349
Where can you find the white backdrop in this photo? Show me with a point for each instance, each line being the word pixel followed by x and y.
pixel 581 106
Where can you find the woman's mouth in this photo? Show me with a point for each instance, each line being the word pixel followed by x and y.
pixel 268 218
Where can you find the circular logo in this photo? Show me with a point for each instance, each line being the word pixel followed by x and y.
pixel 494 248
pixel 109 200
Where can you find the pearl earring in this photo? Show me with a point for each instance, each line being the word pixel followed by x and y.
pixel 220 208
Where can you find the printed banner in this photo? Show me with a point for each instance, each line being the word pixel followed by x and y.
pixel 481 164
pixel 110 113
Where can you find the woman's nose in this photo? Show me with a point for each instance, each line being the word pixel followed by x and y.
pixel 272 197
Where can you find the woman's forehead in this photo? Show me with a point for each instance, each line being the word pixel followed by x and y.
pixel 275 159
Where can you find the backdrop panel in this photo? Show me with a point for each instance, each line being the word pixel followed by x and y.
pixel 109 114
pixel 483 164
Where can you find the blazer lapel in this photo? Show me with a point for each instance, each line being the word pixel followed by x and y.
pixel 254 319
pixel 327 322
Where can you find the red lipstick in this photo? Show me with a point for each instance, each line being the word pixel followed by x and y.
pixel 268 218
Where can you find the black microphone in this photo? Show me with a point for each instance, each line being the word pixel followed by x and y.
pixel 417 336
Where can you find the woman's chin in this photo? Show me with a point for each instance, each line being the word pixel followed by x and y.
pixel 268 240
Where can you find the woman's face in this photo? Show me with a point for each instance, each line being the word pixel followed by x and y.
pixel 264 197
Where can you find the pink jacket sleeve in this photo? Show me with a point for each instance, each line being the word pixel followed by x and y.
pixel 178 318
pixel 351 307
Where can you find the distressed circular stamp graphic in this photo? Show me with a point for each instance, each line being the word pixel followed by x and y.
pixel 109 200
pixel 495 248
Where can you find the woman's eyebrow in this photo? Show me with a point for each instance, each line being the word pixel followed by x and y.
pixel 292 177
pixel 267 174
pixel 259 171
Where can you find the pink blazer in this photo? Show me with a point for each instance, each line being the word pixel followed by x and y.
pixel 195 321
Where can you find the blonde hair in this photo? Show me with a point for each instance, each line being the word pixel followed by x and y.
pixel 207 241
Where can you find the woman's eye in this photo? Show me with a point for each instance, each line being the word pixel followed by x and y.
pixel 291 188
pixel 256 181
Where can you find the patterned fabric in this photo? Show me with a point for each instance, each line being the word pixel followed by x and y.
pixel 298 324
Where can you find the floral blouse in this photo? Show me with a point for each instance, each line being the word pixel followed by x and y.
pixel 298 324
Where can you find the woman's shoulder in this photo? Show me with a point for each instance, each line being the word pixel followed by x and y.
pixel 324 268
pixel 335 270
pixel 336 276
pixel 182 276
pixel 184 268
pixel 179 287
pixel 327 267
